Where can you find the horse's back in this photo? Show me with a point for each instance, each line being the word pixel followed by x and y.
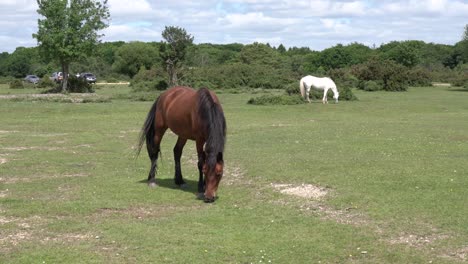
pixel 318 82
pixel 177 108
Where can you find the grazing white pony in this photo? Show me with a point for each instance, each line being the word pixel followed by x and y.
pixel 324 84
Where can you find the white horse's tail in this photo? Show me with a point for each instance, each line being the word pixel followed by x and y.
pixel 301 86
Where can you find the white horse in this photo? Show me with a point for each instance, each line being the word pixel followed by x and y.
pixel 324 84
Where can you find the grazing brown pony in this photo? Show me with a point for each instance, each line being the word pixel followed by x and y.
pixel 190 114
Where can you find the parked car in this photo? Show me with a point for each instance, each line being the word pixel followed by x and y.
pixel 32 79
pixel 89 77
pixel 56 77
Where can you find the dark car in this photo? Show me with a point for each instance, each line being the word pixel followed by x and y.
pixel 32 79
pixel 89 77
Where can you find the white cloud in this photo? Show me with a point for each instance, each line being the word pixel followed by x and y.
pixel 124 7
pixel 317 24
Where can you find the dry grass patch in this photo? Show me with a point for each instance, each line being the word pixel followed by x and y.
pixel 141 212
pixel 307 191
pixel 418 241
pixel 16 179
pixel 460 254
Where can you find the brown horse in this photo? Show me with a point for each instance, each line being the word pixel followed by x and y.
pixel 190 114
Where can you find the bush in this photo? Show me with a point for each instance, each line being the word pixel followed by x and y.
pixel 75 85
pixel 238 75
pixel 346 94
pixel 16 84
pixel 145 86
pixel 293 89
pixel 393 76
pixel 276 100
pixel 79 85
pixel 45 82
pixel 149 80
pixel 419 77
pixel 6 79
pixel 370 86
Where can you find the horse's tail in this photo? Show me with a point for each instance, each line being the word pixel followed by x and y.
pixel 211 114
pixel 301 86
pixel 147 131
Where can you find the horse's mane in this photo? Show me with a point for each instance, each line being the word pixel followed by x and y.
pixel 212 116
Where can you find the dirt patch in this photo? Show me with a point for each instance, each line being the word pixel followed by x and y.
pixel 234 175
pixel 281 125
pixel 441 84
pixel 21 233
pixel 3 194
pixel 8 131
pixel 118 83
pixel 308 191
pixel 13 179
pixel 69 238
pixel 458 254
pixel 3 160
pixel 139 212
pixel 417 241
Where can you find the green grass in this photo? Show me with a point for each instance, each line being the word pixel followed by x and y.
pixel 394 165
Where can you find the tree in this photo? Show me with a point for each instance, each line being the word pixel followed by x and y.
pixel 261 54
pixel 130 57
pixel 173 52
pixel 465 33
pixel 69 30
pixel 20 61
pixel 406 53
pixel 281 48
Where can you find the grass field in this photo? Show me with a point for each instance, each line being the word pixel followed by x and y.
pixel 391 170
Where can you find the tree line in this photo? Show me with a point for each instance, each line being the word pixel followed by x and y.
pixel 256 65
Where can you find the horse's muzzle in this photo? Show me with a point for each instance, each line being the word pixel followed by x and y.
pixel 209 200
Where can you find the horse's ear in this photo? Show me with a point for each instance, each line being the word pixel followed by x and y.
pixel 219 158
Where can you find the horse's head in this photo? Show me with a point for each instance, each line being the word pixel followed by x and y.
pixel 213 175
pixel 336 95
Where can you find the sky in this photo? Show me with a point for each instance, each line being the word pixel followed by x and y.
pixel 317 24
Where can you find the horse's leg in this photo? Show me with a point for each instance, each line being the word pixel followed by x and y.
pixel 177 154
pixel 153 152
pixel 325 100
pixel 307 90
pixel 201 161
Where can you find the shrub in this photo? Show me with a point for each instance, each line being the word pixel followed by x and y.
pixel 45 82
pixel 79 85
pixel 149 80
pixel 276 100
pixel 293 88
pixel 370 86
pixel 6 79
pixel 393 76
pixel 419 77
pixel 346 94
pixel 16 84
pixel 75 85
pixel 143 86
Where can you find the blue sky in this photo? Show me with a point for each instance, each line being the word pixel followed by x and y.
pixel 317 24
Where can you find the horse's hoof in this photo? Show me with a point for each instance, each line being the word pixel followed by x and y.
pixel 152 184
